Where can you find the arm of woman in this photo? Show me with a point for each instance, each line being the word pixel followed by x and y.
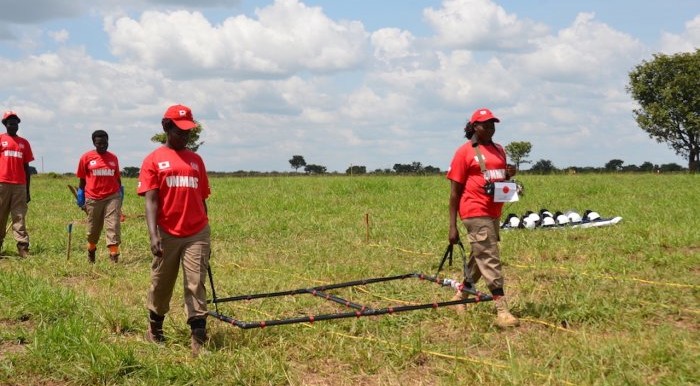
pixel 152 202
pixel 456 190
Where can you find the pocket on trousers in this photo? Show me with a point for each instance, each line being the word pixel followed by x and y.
pixel 478 236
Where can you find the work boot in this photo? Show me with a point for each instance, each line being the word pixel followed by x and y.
pixel 114 257
pixel 199 338
pixel 91 256
pixel 504 318
pixel 460 308
pixel 23 249
pixel 154 334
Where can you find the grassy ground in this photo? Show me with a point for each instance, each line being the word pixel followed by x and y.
pixel 615 305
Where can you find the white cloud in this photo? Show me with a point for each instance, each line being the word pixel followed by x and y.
pixel 392 43
pixel 688 41
pixel 586 51
pixel 60 36
pixel 480 25
pixel 286 37
pixel 289 79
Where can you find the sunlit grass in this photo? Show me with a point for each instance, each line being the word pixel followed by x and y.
pixel 614 305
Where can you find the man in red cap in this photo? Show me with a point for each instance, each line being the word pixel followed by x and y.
pixel 15 156
pixel 100 193
pixel 475 167
pixel 174 181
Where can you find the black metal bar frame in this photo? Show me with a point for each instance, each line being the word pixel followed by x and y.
pixel 359 309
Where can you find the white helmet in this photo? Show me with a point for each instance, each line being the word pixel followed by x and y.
pixel 573 217
pixel 514 222
pixel 548 222
pixel 592 216
pixel 562 219
pixel 534 217
pixel 529 223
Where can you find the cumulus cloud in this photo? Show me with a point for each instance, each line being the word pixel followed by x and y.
pixel 286 37
pixel 687 41
pixel 392 43
pixel 289 79
pixel 584 51
pixel 480 25
pixel 60 36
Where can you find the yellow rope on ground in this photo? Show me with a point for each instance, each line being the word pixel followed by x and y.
pixel 566 269
pixel 401 249
pixel 548 324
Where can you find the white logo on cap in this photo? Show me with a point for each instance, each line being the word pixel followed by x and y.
pixel 482 112
pixel 183 113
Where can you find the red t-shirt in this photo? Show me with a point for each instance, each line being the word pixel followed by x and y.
pixel 465 170
pixel 14 153
pixel 182 184
pixel 101 174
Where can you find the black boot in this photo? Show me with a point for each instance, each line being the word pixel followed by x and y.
pixel 23 249
pixel 199 335
pixel 154 333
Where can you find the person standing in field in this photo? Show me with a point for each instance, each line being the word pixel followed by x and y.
pixel 174 181
pixel 476 164
pixel 100 194
pixel 15 156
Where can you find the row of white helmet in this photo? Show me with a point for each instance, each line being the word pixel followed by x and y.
pixel 545 218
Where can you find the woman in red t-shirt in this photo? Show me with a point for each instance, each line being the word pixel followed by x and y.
pixel 174 182
pixel 475 165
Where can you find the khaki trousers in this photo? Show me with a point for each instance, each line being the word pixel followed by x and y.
pixel 192 253
pixel 484 258
pixel 13 202
pixel 104 213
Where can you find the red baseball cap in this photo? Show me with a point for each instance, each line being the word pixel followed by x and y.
pixel 182 117
pixel 10 114
pixel 483 115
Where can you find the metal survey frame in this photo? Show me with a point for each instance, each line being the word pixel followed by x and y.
pixel 359 310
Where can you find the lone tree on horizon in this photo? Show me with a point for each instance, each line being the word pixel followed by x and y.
pixel 667 89
pixel 518 151
pixel 297 161
pixel 192 140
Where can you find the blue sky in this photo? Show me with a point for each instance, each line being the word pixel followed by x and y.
pixel 342 83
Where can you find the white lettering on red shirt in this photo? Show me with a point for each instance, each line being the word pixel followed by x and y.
pixel 182 182
pixel 13 153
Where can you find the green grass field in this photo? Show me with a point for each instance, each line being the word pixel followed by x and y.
pixel 604 306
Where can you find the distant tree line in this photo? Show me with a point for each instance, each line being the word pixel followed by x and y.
pixel 543 166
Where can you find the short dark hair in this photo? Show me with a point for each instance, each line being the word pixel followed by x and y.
pixel 469 130
pixel 99 133
pixel 168 124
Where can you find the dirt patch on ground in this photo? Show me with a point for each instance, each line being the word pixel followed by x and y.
pixel 11 348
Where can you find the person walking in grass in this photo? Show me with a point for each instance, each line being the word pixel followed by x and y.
pixel 475 165
pixel 100 194
pixel 174 181
pixel 15 156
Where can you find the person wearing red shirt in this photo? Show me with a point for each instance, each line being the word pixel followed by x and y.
pixel 15 156
pixel 475 164
pixel 100 193
pixel 174 181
